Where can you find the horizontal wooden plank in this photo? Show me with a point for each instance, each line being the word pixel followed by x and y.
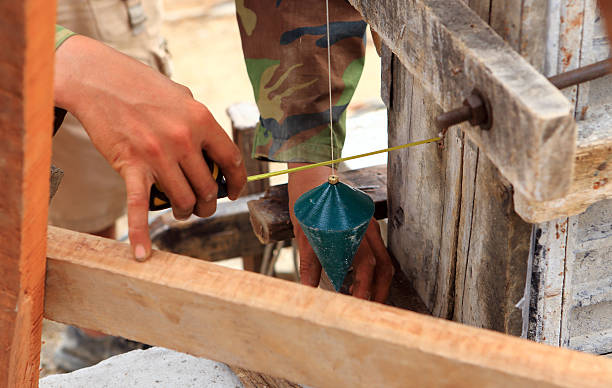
pixel 592 180
pixel 272 326
pixel 270 213
pixel 451 50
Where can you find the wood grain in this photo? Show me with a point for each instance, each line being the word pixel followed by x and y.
pixel 493 241
pixel 451 50
pixel 592 173
pixel 424 186
pixel 268 325
pixel 26 116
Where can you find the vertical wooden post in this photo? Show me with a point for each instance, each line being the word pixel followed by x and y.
pixel 26 101
pixel 244 117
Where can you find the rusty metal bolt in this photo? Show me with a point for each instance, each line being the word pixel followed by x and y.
pixel 477 109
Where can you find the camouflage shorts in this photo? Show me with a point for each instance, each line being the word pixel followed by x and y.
pixel 285 49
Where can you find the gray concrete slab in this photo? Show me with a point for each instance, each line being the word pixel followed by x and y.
pixel 155 367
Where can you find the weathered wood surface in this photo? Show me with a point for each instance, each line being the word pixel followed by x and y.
pixel 450 50
pixel 451 222
pixel 587 302
pixel 278 327
pixel 570 294
pixel 543 308
pixel 270 214
pixel 224 235
pixel 26 117
pixel 592 173
pixel 577 38
pixel 424 183
pixel 492 261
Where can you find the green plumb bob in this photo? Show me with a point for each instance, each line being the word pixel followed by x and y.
pixel 334 218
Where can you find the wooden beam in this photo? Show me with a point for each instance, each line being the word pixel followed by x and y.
pixel 592 173
pixel 451 50
pixel 26 116
pixel 305 334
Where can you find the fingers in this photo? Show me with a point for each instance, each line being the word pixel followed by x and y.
pixel 364 264
pixel 178 190
pixel 225 153
pixel 196 170
pixel 310 268
pixel 383 274
pixel 137 186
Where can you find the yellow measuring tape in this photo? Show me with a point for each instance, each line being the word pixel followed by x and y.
pixel 334 161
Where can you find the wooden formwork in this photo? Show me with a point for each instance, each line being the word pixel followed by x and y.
pixel 268 325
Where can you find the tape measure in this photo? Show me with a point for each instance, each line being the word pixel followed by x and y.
pixel 159 201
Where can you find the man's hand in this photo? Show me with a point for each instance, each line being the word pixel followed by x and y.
pixel 372 263
pixel 149 128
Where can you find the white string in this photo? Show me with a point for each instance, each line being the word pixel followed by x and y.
pixel 331 125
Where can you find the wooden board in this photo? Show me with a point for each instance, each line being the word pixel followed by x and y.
pixel 270 214
pixel 450 50
pixel 26 116
pixel 592 172
pixel 309 335
pixel 572 44
pixel 424 184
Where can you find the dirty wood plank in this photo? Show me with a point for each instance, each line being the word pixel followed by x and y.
pixel 497 257
pixel 26 117
pixel 470 157
pixel 424 185
pixel 451 50
pixel 280 327
pixel 593 173
pixel 269 214
pixel 494 242
pixel 544 294
pixel 592 170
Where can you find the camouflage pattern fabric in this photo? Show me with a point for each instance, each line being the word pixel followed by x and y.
pixel 61 34
pixel 285 50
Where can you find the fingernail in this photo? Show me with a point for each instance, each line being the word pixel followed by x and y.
pixel 238 161
pixel 209 197
pixel 140 253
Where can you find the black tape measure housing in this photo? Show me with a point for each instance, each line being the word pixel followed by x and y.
pixel 159 201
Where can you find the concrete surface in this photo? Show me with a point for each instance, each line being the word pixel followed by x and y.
pixel 154 367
